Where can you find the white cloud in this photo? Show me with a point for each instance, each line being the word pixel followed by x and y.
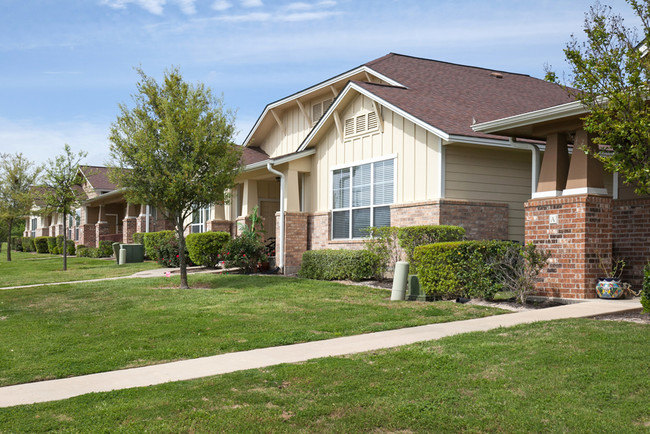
pixel 221 5
pixel 302 6
pixel 256 16
pixel 307 16
pixel 155 7
pixel 251 3
pixel 40 142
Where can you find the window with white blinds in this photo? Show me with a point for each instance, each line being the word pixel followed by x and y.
pixel 361 124
pixel 361 196
pixel 199 218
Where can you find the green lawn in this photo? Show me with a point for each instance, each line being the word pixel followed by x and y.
pixel 561 376
pixel 73 329
pixel 28 268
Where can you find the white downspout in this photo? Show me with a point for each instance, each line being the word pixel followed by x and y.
pixel 280 246
pixel 147 219
pixel 534 163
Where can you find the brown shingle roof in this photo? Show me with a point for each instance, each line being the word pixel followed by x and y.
pixel 252 154
pixel 451 97
pixel 97 176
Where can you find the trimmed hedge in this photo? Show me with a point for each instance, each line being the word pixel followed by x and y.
pixel 339 265
pixel 41 245
pixel 414 236
pixel 163 247
pixel 645 293
pixel 461 268
pixel 51 245
pixel 244 252
pixel 28 244
pixel 104 250
pixel 204 248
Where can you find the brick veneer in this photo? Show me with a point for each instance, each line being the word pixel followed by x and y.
pixel 219 226
pixel 631 229
pixel 580 239
pixel 295 236
pixel 42 232
pixel 129 227
pixel 87 235
pixel 101 228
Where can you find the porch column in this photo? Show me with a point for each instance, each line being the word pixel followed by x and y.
pixel 218 223
pixel 555 165
pixel 101 227
pixel 130 222
pixel 249 201
pixel 585 173
pixel 141 224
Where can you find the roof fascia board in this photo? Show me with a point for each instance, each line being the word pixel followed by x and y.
pixel 105 195
pixel 544 115
pixel 317 87
pixel 296 156
pixel 490 142
pixel 352 86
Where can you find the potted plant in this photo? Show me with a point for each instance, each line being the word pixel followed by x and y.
pixel 611 286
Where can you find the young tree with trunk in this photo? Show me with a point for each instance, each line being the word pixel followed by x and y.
pixel 175 149
pixel 611 76
pixel 61 193
pixel 17 179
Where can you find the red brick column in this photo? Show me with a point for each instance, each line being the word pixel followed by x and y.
pixel 42 232
pixel 577 230
pixel 631 241
pixel 87 235
pixel 141 223
pixel 101 228
pixel 219 226
pixel 295 240
pixel 129 227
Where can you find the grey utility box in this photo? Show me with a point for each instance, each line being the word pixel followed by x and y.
pixel 134 253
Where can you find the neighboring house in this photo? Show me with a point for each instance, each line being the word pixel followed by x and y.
pixel 390 143
pixel 582 214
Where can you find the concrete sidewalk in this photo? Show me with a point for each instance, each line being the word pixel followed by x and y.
pixel 207 366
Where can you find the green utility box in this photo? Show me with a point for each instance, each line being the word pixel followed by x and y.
pixel 134 252
pixel 116 252
pixel 415 293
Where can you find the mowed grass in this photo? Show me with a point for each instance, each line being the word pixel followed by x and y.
pixel 27 268
pixel 560 376
pixel 73 329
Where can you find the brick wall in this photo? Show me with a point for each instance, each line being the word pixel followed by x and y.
pixel 129 227
pixel 295 236
pixel 87 235
pixel 631 229
pixel 219 226
pixel 579 240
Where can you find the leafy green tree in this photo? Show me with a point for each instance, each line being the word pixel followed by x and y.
pixel 611 76
pixel 17 177
pixel 175 150
pixel 60 192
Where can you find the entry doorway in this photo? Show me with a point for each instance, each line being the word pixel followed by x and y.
pixel 268 208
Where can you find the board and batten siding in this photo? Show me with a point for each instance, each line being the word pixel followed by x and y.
pixel 490 175
pixel 417 174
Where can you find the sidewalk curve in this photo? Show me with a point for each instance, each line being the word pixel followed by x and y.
pixel 53 390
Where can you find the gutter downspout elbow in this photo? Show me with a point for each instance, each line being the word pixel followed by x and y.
pixel 535 162
pixel 280 246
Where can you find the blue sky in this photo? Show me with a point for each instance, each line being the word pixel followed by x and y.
pixel 66 64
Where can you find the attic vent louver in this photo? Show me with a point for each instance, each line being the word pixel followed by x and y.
pixel 496 74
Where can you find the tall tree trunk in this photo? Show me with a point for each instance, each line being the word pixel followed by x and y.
pixel 181 253
pixel 65 243
pixel 10 224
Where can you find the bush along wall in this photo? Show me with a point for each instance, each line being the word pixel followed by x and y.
pixel 17 244
pixel 413 236
pixel 645 293
pixel 205 248
pixel 51 245
pixel 461 268
pixel 41 245
pixel 338 265
pixel 162 247
pixel 28 244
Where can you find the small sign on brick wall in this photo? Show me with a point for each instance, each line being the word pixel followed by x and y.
pixel 552 219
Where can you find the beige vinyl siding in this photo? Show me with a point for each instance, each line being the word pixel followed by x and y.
pixel 417 176
pixel 490 175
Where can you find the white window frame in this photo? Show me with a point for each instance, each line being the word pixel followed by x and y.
pixel 372 206
pixel 204 216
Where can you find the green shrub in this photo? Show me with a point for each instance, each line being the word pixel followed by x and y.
pixel 71 247
pixel 51 245
pixel 17 244
pixel 105 249
pixel 384 243
pixel 460 268
pixel 86 252
pixel 414 236
pixel 28 244
pixel 339 265
pixel 645 293
pixel 138 238
pixel 205 248
pixel 154 242
pixel 244 252
pixel 41 245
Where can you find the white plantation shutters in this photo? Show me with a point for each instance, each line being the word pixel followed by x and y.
pixel 361 197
